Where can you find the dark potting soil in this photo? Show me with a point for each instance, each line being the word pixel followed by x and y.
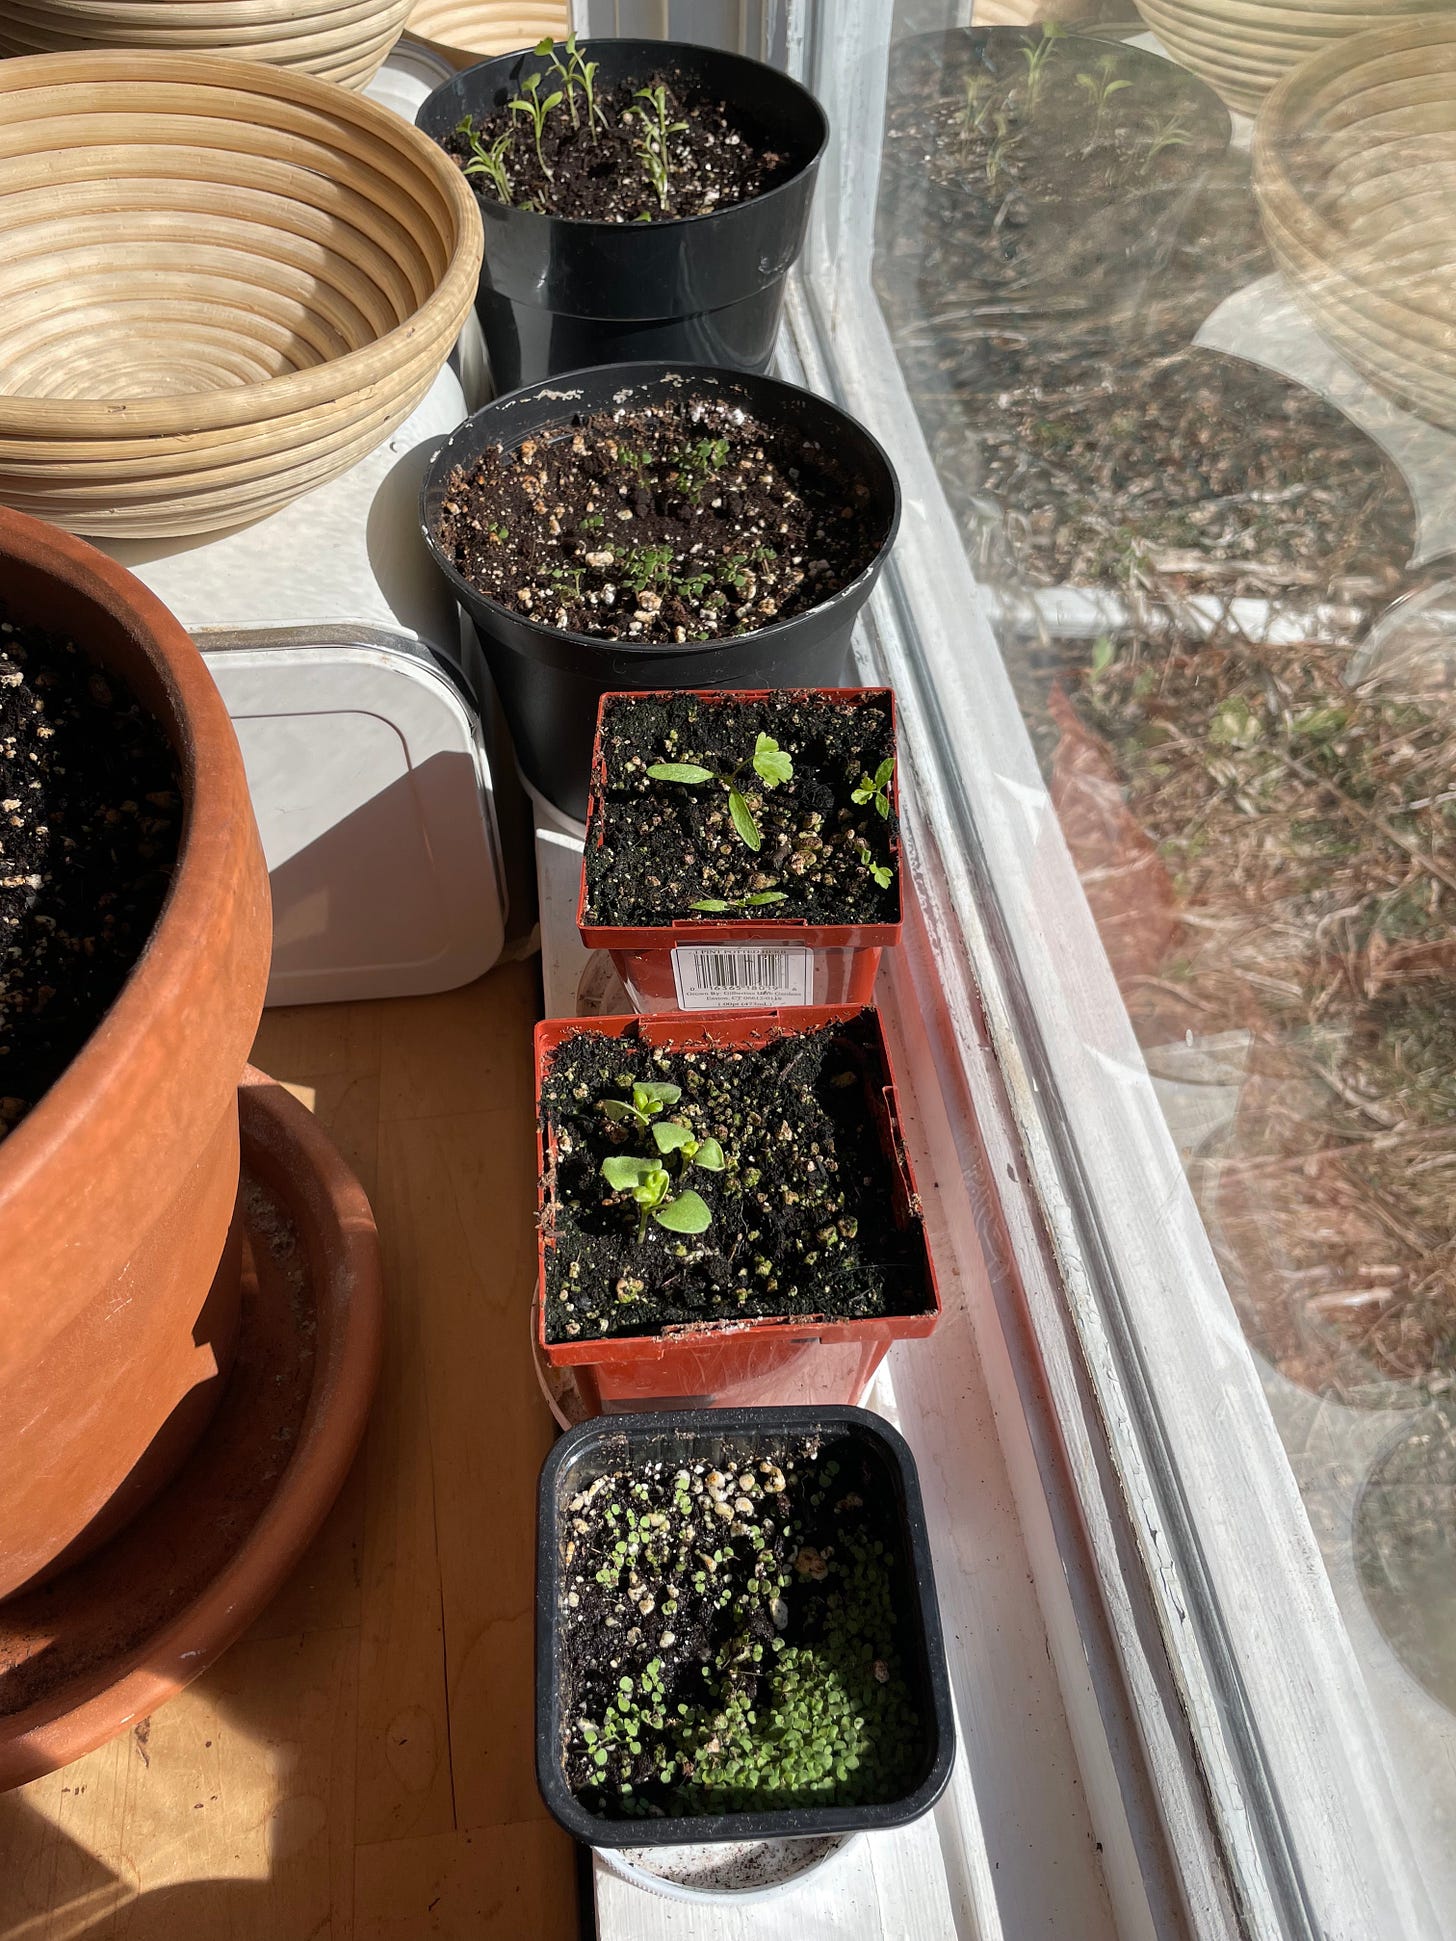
pixel 802 1214
pixel 90 821
pixel 668 845
pixel 1032 163
pixel 731 1640
pixel 669 522
pixel 605 167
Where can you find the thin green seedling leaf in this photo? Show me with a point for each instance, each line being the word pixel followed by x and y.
pixel 771 763
pixel 709 1156
pixel 714 905
pixel 686 1214
pixel 688 772
pixel 671 1135
pixel 743 820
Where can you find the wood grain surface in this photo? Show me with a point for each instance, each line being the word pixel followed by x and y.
pixel 360 1768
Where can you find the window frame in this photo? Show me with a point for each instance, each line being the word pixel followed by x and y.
pixel 1258 1734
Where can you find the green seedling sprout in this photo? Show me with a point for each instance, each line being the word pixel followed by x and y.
pixel 487 161
pixel 648 1101
pixel 1172 134
pixel 768 761
pixel 652 143
pixel 1101 87
pixel 528 102
pixel 649 1180
pixel 715 905
pixel 546 51
pixel 980 99
pixel 650 1185
pixel 881 872
pixel 1036 59
pixel 876 788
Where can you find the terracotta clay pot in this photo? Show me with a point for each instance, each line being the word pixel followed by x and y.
pixel 118 1285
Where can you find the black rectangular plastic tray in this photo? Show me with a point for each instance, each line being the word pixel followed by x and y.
pixel 681 1437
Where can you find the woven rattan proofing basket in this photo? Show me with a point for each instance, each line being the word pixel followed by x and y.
pixel 220 285
pixel 1243 48
pixel 338 40
pixel 467 31
pixel 1355 169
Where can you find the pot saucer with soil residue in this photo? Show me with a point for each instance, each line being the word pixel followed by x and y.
pixel 104 1643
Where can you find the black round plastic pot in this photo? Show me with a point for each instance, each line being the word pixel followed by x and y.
pixel 716 1436
pixel 558 294
pixel 550 681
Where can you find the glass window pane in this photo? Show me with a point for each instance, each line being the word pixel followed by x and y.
pixel 1177 312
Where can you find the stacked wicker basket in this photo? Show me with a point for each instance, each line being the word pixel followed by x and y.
pixel 1243 48
pixel 1355 168
pixel 339 40
pixel 221 284
pixel 466 31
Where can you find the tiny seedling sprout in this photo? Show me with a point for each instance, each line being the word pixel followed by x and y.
pixel 567 69
pixel 487 160
pixel 529 102
pixel 876 788
pixel 652 143
pixel 1036 59
pixel 881 872
pixel 1101 87
pixel 715 905
pixel 647 1102
pixel 769 762
pixel 1172 134
pixel 648 1180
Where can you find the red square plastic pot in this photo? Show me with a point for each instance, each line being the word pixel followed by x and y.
pixel 732 1363
pixel 844 959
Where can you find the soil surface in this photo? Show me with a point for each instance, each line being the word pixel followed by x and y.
pixel 679 521
pixel 803 1213
pixel 666 845
pixel 1033 169
pixel 731 1640
pixel 602 167
pixel 90 821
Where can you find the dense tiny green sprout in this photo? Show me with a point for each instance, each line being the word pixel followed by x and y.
pixel 1036 58
pixel 882 873
pixel 647 1180
pixel 1171 134
pixel 648 1101
pixel 770 763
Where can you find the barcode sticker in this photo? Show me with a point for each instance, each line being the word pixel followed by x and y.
pixel 734 977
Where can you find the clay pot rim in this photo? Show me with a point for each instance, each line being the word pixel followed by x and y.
pixel 201 736
pixel 286 1147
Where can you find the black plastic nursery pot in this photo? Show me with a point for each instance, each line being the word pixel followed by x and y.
pixel 872 1457
pixel 551 681
pixel 559 294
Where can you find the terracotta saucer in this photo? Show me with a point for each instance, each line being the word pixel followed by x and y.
pixel 109 1640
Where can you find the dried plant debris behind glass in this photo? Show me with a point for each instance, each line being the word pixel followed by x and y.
pixel 825 832
pixel 1270 852
pixel 802 1208
pixel 734 1638
pixel 691 520
pixel 650 150
pixel 90 821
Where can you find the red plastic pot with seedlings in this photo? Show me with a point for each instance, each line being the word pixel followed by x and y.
pixel 717 960
pixel 731 1360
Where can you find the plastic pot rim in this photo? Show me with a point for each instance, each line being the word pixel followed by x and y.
pixel 706 1829
pixel 655 370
